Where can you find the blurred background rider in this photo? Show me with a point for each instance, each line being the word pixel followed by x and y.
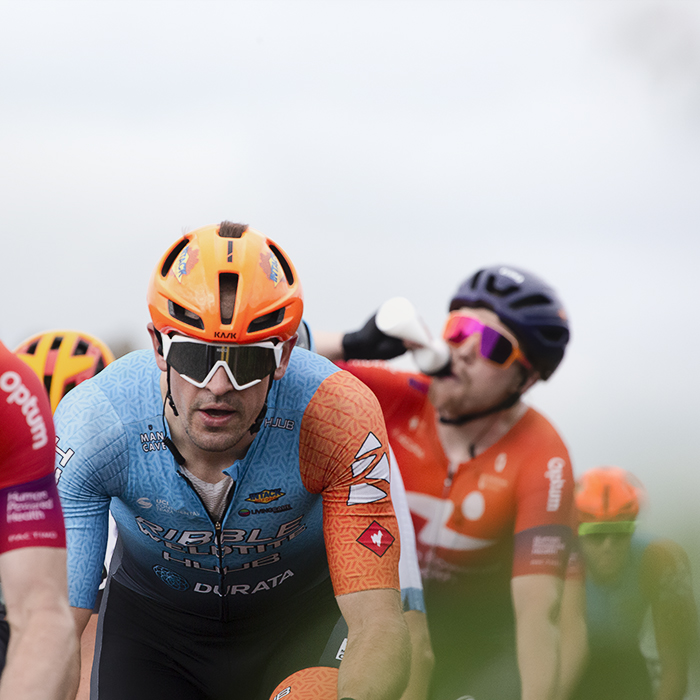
pixel 628 576
pixel 488 480
pixel 62 359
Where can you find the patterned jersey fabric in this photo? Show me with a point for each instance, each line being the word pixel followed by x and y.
pixel 314 481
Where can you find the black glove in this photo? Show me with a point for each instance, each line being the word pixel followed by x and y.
pixel 369 343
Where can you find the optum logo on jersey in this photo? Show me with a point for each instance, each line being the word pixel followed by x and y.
pixel 17 393
pixel 555 467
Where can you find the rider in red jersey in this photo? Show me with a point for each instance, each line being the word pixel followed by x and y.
pixel 63 359
pixel 32 543
pixel 489 483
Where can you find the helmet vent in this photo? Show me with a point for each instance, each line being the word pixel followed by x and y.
pixel 554 334
pixel 231 230
pixel 284 263
pixel 168 263
pixel 497 290
pixel 181 314
pixel 532 300
pixel 267 321
pixel 81 348
pixel 57 342
pixel 228 285
pixel 32 348
pixel 475 279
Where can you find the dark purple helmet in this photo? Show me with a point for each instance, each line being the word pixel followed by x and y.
pixel 526 305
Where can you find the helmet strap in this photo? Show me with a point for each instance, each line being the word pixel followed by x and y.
pixel 257 424
pixel 508 402
pixel 177 455
pixel 168 395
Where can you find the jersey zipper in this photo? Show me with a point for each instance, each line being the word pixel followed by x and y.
pixel 223 610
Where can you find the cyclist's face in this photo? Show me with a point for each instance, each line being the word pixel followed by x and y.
pixel 605 554
pixel 217 417
pixel 476 383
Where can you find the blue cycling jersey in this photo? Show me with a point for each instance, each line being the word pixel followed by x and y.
pixel 268 550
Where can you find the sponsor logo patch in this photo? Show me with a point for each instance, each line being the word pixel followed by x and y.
pixel 185 262
pixel 271 267
pixel 555 468
pixel 18 394
pixel 171 578
pixel 245 512
pixel 265 496
pixel 376 538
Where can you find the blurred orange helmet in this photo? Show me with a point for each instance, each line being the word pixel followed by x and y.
pixel 62 359
pixel 315 683
pixel 607 495
pixel 226 283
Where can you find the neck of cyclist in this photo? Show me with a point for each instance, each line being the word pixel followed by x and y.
pixel 464 441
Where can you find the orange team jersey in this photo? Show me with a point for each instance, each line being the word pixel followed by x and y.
pixel 343 454
pixel 511 503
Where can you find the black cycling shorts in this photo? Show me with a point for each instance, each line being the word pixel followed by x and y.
pixel 145 651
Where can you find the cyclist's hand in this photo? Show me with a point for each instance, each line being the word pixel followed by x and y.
pixel 369 343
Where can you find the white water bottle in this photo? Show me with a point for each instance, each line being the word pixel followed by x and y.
pixel 398 318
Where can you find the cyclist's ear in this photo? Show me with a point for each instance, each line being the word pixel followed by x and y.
pixel 284 361
pixel 157 342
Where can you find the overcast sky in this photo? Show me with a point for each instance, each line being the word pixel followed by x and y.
pixel 390 148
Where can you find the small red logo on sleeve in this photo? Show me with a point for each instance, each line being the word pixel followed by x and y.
pixel 376 538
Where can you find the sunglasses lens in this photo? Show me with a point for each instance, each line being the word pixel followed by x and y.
pixel 495 347
pixel 459 328
pixel 189 359
pixel 247 364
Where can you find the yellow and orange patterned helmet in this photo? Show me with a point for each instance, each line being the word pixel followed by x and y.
pixel 226 283
pixel 62 359
pixel 606 496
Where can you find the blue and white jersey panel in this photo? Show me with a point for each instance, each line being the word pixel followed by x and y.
pixel 270 549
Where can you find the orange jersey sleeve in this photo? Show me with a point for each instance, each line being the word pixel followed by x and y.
pixel 343 454
pixel 544 491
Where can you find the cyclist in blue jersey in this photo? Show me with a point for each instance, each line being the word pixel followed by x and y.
pixel 629 575
pixel 250 485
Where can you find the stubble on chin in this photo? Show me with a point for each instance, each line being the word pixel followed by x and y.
pixel 214 439
pixel 446 399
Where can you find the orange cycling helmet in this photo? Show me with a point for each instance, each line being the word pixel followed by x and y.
pixel 226 283
pixel 62 359
pixel 607 500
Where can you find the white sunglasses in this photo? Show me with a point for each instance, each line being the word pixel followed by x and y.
pixel 196 361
